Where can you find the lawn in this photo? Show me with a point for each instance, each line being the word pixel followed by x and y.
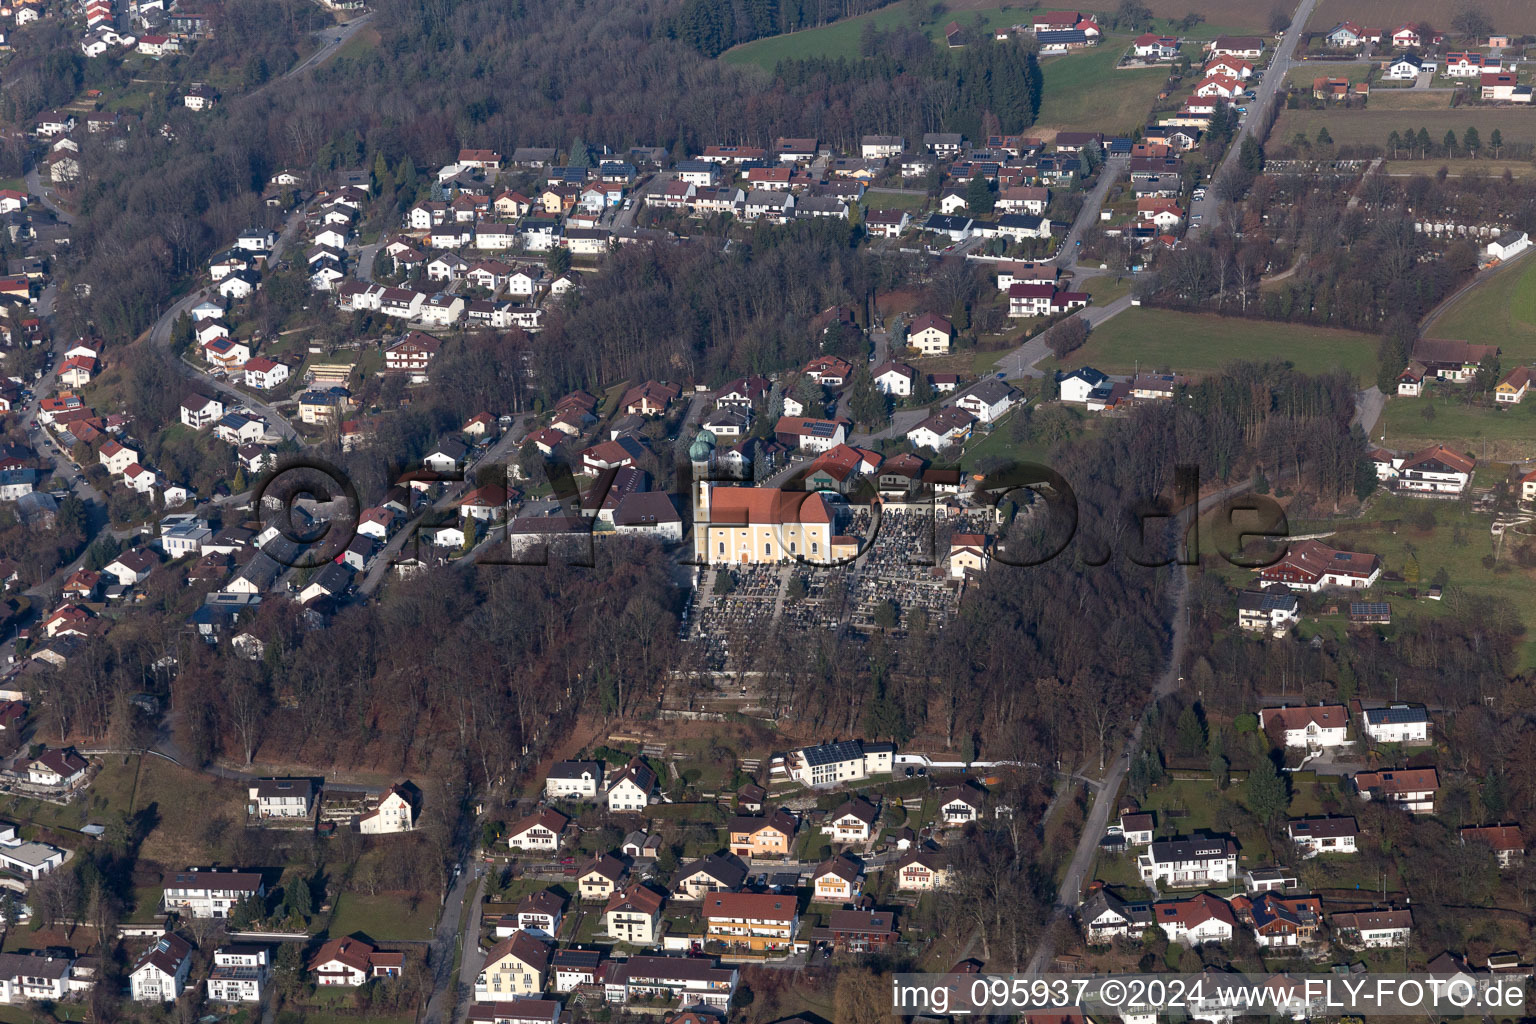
pixel 839 39
pixel 910 202
pixel 1501 309
pixel 1458 168
pixel 1195 343
pixel 1386 533
pixel 1107 288
pixel 185 803
pixel 1507 433
pixel 109 796
pixel 1410 99
pixel 1512 16
pixel 1084 92
pixel 385 917
pixel 1372 127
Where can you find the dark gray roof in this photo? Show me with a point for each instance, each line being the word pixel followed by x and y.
pixel 1397 714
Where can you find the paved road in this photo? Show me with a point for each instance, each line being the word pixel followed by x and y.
pixel 1368 406
pixel 44 194
pixel 160 335
pixel 501 451
pixel 445 942
pixel 1088 215
pixel 1108 793
pixel 626 218
pixel 332 39
pixel 1203 211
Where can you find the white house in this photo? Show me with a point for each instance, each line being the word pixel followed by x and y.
pixel 395 812
pixel 1397 723
pixel 282 798
pixel 1436 470
pixel 894 378
pixel 1312 836
pixel 239 973
pixel 1373 929
pixel 990 400
pixel 1311 727
pixel 539 832
pixel 1199 919
pixel 1080 383
pixel 1509 244
pixel 160 973
pixel 265 373
pixel 210 892
pixel 631 788
pixel 574 780
pixel 1189 862
pixel 830 764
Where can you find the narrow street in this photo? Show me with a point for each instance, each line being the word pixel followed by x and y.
pixel 1203 211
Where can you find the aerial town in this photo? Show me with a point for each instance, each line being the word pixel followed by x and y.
pixel 536 513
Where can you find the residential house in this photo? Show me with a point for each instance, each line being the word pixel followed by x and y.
pixel 931 334
pixel 770 836
pixel 160 973
pixel 1312 836
pixel 239 973
pixel 632 787
pixel 1272 610
pixel 922 870
pixel 634 915
pixel 514 968
pixel 1310 727
pixel 989 400
pixel 1506 841
pixel 1373 929
pixel 1436 470
pixel 852 822
pixel 1105 916
pixel 1280 921
pixel 960 805
pixel 539 914
pixel 690 981
pixel 600 878
pixel 1396 723
pixel 861 931
pixel 395 811
pixel 210 892
pixel 1137 828
pixel 1311 566
pixel 750 922
pixel 1189 862
pixel 1197 920
pixel 1411 789
pixel 943 428
pixel 541 831
pixel 199 411
pixel 717 872
pixel 836 880
pixel 281 798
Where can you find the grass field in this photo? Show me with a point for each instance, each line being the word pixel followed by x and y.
pixel 384 917
pixel 1410 99
pixel 1514 17
pixel 1084 92
pixel 1371 127
pixel 1509 433
pixel 1435 549
pixel 1457 168
pixel 839 39
pixel 1196 343
pixel 1500 310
